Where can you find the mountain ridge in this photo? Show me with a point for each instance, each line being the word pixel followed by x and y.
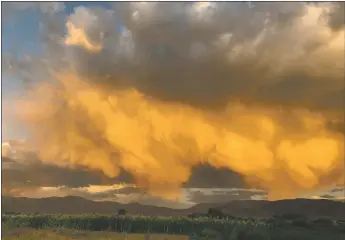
pixel 312 208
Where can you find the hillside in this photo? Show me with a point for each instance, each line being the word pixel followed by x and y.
pixel 243 208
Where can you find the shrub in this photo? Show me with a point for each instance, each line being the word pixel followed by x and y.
pixel 293 216
pixel 215 213
pixel 121 212
pixel 300 223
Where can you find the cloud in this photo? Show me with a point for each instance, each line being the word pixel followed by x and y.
pixel 174 85
pixel 23 176
pixel 206 176
pixel 25 172
pixel 272 82
pixel 327 196
pixel 225 195
pixel 92 192
pixel 12 9
pixel 338 190
pixel 246 55
pixel 336 16
pixel 90 189
pixel 334 198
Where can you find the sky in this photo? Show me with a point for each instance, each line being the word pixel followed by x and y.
pixel 234 101
pixel 24 23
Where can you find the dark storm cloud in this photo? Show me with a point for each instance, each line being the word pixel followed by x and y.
pixel 180 52
pixel 29 174
pixel 205 176
pixel 34 174
pixel 337 16
pixel 27 179
pixel 164 38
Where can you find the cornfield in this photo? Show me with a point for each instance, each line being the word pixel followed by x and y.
pixel 133 224
pixel 228 228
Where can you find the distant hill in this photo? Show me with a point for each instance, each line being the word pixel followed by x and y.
pixel 312 208
pixel 243 208
pixel 76 205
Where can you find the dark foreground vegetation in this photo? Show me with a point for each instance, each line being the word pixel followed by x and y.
pixel 203 227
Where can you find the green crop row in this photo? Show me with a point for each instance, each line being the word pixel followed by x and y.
pixel 133 224
pixel 226 227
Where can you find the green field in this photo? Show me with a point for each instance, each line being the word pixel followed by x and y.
pixel 140 227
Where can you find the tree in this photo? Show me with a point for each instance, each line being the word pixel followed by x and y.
pixel 121 212
pixel 214 212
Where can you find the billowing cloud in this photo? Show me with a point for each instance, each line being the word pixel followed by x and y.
pixel 206 176
pixel 158 89
pixel 336 16
pixel 262 53
pixel 24 175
